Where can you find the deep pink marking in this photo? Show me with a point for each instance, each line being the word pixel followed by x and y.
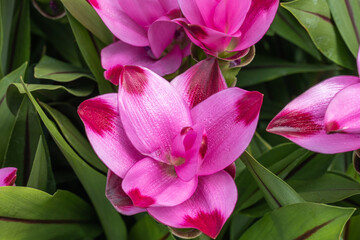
pixel 10 179
pixel 248 107
pixel 140 200
pixel 94 3
pixel 231 169
pixel 97 115
pixel 198 89
pixel 332 127
pixel 113 74
pixel 203 146
pixel 134 80
pixel 300 123
pixel 185 130
pixel 198 32
pixel 208 223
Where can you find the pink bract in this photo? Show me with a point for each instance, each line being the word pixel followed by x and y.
pixel 168 146
pixel 326 118
pixel 226 25
pixel 147 36
pixel 7 176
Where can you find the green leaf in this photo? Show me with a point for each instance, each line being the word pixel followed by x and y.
pixel 41 171
pixel 329 188
pixel 90 52
pixel 6 18
pixel 276 192
pixel 346 16
pixel 315 17
pixel 239 224
pixel 353 230
pixel 75 138
pixel 7 118
pixel 258 146
pixel 93 181
pixel 27 213
pixel 83 12
pixel 301 221
pixel 147 228
pixel 264 69
pixel 50 68
pixel 286 26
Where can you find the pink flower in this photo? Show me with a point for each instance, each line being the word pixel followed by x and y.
pixel 145 31
pixel 7 176
pixel 226 25
pixel 326 118
pixel 167 144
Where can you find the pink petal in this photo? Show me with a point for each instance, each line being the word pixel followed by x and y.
pixel 118 54
pixel 230 15
pixel 231 169
pixel 230 118
pixel 106 134
pixel 207 9
pixel 151 110
pixel 119 23
pixel 152 183
pixel 343 112
pixel 161 33
pixel 358 62
pixel 118 198
pixel 302 120
pixel 200 82
pixel 208 208
pixel 257 22
pixel 191 11
pixel 7 176
pixel 169 5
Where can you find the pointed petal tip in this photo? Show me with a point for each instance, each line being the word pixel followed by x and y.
pixel 249 107
pixel 8 176
pixel 134 79
pixel 113 74
pixel 94 3
pixel 332 127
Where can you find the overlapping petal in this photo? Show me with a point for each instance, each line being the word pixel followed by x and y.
pixel 151 120
pixel 208 208
pixel 191 11
pixel 7 176
pixel 106 134
pixel 343 112
pixel 200 82
pixel 230 118
pixel 118 198
pixel 151 183
pixel 302 120
pixel 160 39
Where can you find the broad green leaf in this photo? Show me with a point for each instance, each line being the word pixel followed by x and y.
pixel 28 213
pixel 90 52
pixel 276 192
pixel 75 138
pixel 147 228
pixel 239 224
pixel 310 221
pixel 315 17
pixel 93 181
pixel 7 118
pixel 329 188
pixel 83 12
pixel 353 230
pixel 6 18
pixel 286 26
pixel 41 171
pixel 50 68
pixel 264 69
pixel 258 146
pixel 346 16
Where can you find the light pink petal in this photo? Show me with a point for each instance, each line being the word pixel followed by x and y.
pixel 358 62
pixel 118 54
pixel 207 9
pixel 7 176
pixel 302 120
pixel 152 183
pixel 119 23
pixel 230 118
pixel 208 208
pixel 118 198
pixel 151 110
pixel 230 15
pixel 161 33
pixel 257 22
pixel 343 112
pixel 191 11
pixel 105 132
pixel 200 82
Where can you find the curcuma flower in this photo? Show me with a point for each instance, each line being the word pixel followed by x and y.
pixel 147 36
pixel 219 26
pixel 167 144
pixel 326 118
pixel 7 176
